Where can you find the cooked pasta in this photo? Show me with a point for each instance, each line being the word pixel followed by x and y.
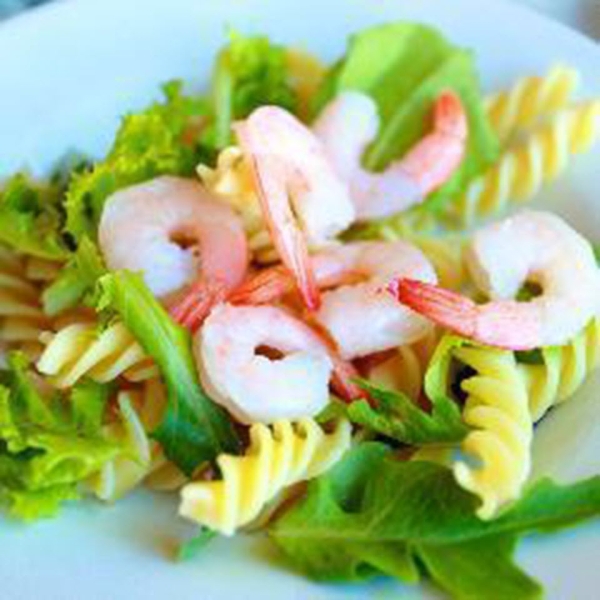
pixel 81 349
pixel 563 370
pixel 39 269
pixel 523 169
pixel 21 316
pixel 499 447
pixel 231 180
pixel 405 370
pixel 530 98
pixel 278 457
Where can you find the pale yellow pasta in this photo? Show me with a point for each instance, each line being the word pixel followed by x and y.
pixel 21 316
pixel 278 457
pixel 405 370
pixel 563 370
pixel 523 169
pixel 82 350
pixel 517 108
pixel 499 447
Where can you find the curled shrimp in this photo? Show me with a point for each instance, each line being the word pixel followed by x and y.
pixel 350 122
pixel 176 234
pixel 302 198
pixel 529 247
pixel 356 314
pixel 288 380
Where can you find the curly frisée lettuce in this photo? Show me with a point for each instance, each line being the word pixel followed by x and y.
pixel 77 280
pixel 48 446
pixel 404 67
pixel 373 514
pixel 249 72
pixel 194 429
pixel 31 219
pixel 163 139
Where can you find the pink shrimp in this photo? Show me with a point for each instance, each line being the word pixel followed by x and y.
pixel 350 122
pixel 533 247
pixel 252 385
pixel 302 199
pixel 176 234
pixel 357 315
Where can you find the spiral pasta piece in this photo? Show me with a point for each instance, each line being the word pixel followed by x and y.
pixel 497 407
pixel 530 98
pixel 405 370
pixel 563 370
pixel 21 316
pixel 80 350
pixel 278 457
pixel 523 169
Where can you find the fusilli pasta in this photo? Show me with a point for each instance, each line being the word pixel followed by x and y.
pixel 21 316
pixel 563 370
pixel 81 349
pixel 497 407
pixel 278 456
pixel 530 98
pixel 523 169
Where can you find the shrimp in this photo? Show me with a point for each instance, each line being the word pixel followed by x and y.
pixel 350 122
pixel 357 315
pixel 176 234
pixel 303 201
pixel 253 387
pixel 529 247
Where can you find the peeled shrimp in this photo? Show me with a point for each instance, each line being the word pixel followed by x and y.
pixel 530 247
pixel 350 122
pixel 252 386
pixel 303 201
pixel 358 316
pixel 175 233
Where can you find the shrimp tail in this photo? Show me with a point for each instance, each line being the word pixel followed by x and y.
pixel 194 307
pixel 508 324
pixel 433 160
pixel 263 288
pixel 342 380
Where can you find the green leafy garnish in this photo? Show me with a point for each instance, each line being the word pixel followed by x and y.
pixel 30 218
pixel 76 282
pixel 48 445
pixel 374 514
pixel 396 416
pixel 404 67
pixel 191 548
pixel 194 429
pixel 249 72
pixel 160 140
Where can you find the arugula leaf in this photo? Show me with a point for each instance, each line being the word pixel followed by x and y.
pixel 192 547
pixel 370 501
pixel 479 568
pixel 160 140
pixel 404 67
pixel 194 429
pixel 399 418
pixel 30 218
pixel 76 282
pixel 249 72
pixel 48 446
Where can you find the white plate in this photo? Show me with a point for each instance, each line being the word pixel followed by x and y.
pixel 67 72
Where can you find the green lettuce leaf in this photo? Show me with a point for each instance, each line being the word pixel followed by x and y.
pixel 192 547
pixel 160 140
pixel 30 218
pixel 76 282
pixel 48 446
pixel 371 504
pixel 404 67
pixel 194 429
pixel 249 72
pixel 396 416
